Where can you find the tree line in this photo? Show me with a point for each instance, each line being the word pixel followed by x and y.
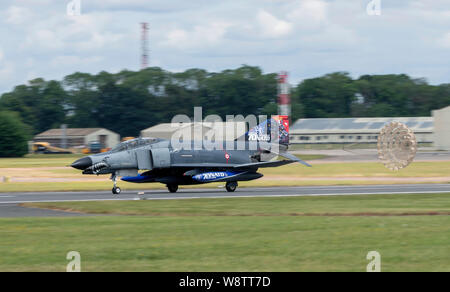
pixel 128 101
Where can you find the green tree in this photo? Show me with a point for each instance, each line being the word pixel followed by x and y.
pixel 128 101
pixel 51 111
pixel 41 105
pixel 398 95
pixel 330 96
pixel 242 91
pixel 13 135
pixel 123 110
pixel 82 98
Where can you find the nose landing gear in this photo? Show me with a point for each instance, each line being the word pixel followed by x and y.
pixel 115 190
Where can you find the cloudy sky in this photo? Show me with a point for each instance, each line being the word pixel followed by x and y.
pixel 308 38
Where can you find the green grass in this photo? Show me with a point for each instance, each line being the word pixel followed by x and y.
pixel 329 174
pixel 40 160
pixel 280 206
pixel 311 156
pixel 362 169
pixel 257 234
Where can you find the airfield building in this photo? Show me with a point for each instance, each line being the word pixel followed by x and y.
pixel 354 130
pixel 428 130
pixel 79 137
pixel 205 130
pixel 441 128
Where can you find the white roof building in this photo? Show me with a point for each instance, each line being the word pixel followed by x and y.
pixel 79 137
pixel 355 130
pixel 204 130
pixel 442 128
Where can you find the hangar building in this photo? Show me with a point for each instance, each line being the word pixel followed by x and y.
pixel 78 137
pixel 429 130
pixel 205 130
pixel 441 128
pixel 354 130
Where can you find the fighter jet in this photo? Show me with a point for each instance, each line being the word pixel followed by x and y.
pixel 147 160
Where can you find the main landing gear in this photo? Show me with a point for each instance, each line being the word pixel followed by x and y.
pixel 231 186
pixel 172 188
pixel 115 190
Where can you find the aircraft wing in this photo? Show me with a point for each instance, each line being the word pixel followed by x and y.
pixel 204 165
pixel 290 159
pixel 264 164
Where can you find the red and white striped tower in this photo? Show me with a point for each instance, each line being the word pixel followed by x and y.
pixel 284 97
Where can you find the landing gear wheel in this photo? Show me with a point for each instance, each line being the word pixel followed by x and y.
pixel 115 190
pixel 172 188
pixel 231 186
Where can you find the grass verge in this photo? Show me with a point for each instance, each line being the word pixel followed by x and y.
pixel 360 173
pixel 280 206
pixel 258 234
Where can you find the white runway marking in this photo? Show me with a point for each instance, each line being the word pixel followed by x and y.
pixel 60 201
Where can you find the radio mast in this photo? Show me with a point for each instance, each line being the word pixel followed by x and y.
pixel 144 44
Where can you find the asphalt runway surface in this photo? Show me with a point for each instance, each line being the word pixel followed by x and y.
pixel 9 202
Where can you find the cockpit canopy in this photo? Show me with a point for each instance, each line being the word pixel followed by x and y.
pixel 135 143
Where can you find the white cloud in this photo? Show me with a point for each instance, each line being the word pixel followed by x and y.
pixel 65 61
pixel 16 15
pixel 85 33
pixel 444 41
pixel 176 37
pixel 308 14
pixel 44 38
pixel 306 37
pixel 29 62
pixel 99 40
pixel 199 37
pixel 271 26
pixel 6 71
pixel 332 37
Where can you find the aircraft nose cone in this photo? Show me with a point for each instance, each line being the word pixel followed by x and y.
pixel 82 163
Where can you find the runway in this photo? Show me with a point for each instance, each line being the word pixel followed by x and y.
pixel 9 201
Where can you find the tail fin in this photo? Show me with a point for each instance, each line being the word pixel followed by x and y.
pixel 264 133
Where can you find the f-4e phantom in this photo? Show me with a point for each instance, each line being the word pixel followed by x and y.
pixel 147 160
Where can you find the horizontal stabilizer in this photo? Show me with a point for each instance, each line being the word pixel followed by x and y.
pixel 287 155
pixel 293 158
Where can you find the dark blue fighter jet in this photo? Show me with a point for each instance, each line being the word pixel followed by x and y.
pixel 146 160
